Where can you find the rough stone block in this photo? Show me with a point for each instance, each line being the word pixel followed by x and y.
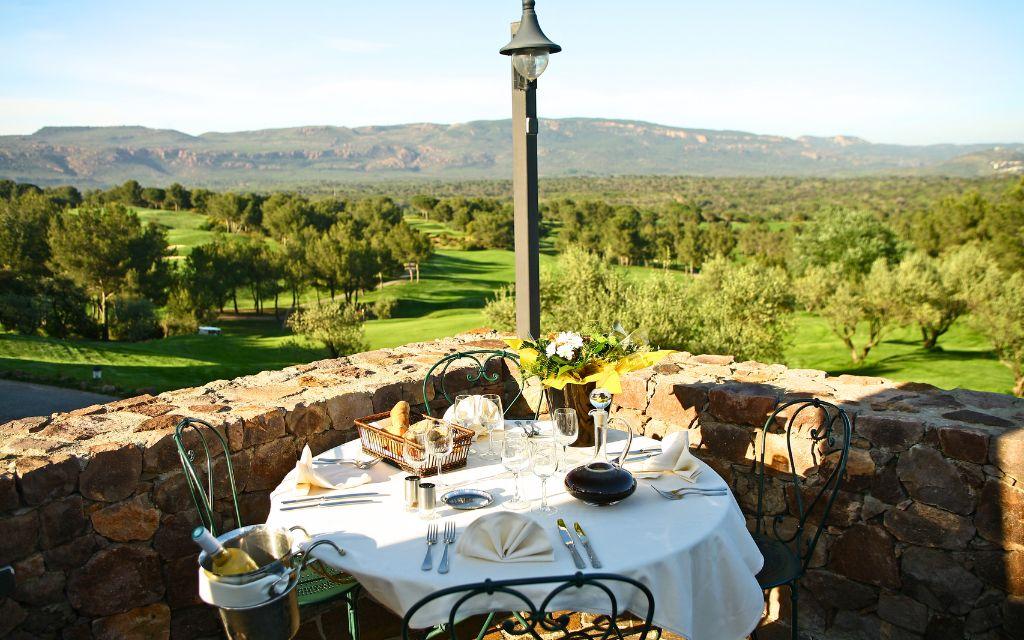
pixel 159 422
pixel 726 441
pixel 836 591
pixel 18 535
pixel 43 479
pixel 866 553
pixel 934 480
pixel 930 527
pixel 11 615
pixel 112 473
pixel 943 627
pixel 634 390
pixel 740 403
pixel 970 445
pixel 173 538
pixel 70 555
pixel 47 588
pixel 385 396
pixel 61 521
pixel 938 580
pixel 1006 451
pixel 1003 570
pixel 886 485
pixel 270 463
pixel 116 580
pixel 182 586
pixel 132 520
pixel 678 403
pixel 895 434
pixel 151 622
pixel 8 491
pixel 1000 516
pixel 1013 617
pixel 259 429
pixel 306 420
pixel 345 408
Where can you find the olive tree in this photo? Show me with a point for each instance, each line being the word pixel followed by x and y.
pixel 338 327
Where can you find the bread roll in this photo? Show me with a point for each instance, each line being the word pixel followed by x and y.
pixel 399 418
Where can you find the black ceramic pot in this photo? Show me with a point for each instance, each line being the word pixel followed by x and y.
pixel 600 483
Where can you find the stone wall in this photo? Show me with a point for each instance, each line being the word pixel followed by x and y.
pixel 926 538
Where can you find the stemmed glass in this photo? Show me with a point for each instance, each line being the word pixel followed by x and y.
pixel 545 464
pixel 567 428
pixel 515 455
pixel 440 441
pixel 491 420
pixel 463 416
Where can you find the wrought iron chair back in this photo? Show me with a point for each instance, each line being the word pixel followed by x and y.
pixel 203 494
pixel 479 360
pixel 539 621
pixel 830 436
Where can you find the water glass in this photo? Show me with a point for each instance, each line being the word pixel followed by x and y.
pixel 458 413
pixel 414 451
pixel 515 456
pixel 491 420
pixel 545 464
pixel 440 441
pixel 567 427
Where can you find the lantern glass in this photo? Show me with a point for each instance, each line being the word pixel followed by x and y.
pixel 531 63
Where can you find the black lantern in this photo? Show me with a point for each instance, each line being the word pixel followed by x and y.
pixel 529 47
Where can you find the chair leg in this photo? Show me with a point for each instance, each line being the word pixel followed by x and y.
pixel 353 613
pixel 793 597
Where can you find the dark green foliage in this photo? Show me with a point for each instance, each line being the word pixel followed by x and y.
pixel 133 320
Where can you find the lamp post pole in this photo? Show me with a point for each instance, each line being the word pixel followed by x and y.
pixel 529 50
pixel 525 202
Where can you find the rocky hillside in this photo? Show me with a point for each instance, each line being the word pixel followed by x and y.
pixel 100 156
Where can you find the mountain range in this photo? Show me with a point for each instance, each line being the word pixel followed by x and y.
pixel 103 156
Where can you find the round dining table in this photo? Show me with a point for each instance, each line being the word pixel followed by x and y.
pixel 694 554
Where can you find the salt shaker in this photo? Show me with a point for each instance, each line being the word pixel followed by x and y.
pixel 412 487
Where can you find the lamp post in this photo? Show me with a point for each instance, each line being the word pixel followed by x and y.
pixel 529 49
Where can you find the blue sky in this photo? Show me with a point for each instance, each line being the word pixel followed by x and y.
pixel 901 71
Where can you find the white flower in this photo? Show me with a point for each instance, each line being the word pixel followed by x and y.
pixel 565 345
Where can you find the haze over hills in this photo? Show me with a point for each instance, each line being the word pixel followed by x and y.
pixel 102 156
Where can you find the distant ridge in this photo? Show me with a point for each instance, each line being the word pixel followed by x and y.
pixel 102 156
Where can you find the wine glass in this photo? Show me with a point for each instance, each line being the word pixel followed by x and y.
pixel 440 441
pixel 567 427
pixel 492 418
pixel 462 413
pixel 515 455
pixel 545 464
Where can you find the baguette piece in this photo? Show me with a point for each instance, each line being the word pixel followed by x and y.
pixel 399 418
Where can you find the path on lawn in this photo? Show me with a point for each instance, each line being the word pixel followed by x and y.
pixel 25 399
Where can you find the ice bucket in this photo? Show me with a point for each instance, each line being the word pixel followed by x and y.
pixel 264 603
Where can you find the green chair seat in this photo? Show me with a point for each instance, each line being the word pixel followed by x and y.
pixel 314 588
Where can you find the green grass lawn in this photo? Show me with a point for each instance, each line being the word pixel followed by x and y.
pixel 449 299
pixel 182 228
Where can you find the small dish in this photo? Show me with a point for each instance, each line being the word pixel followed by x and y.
pixel 467 499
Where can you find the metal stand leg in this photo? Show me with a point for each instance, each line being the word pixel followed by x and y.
pixel 487 625
pixel 793 595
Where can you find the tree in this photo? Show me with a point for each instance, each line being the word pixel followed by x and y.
pixel 64 197
pixel 104 250
pixel 153 197
pixel 719 239
pixel 491 230
pixel 849 303
pixel 999 314
pixel 852 241
pixel 178 197
pixel 338 327
pixel 24 226
pixel 129 193
pixel 424 204
pixel 928 296
pixel 745 310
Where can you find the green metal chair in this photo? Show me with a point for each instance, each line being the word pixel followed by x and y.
pixel 787 555
pixel 318 583
pixel 478 361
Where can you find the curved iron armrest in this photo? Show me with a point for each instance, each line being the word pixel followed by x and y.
pixel 481 358
pixel 835 420
pixel 531 616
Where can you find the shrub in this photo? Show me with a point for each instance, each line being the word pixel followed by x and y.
pixel 339 328
pixel 133 320
pixel 384 307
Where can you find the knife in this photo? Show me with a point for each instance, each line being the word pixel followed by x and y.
pixel 330 496
pixel 586 545
pixel 567 540
pixel 328 503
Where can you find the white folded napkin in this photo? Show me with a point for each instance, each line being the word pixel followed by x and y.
pixel 308 477
pixel 472 413
pixel 505 537
pixel 675 459
pixel 223 594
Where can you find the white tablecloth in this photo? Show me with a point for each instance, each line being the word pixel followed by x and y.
pixel 694 554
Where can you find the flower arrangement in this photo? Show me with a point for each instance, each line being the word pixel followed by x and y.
pixel 567 357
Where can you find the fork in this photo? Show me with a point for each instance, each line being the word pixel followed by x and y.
pixel 449 537
pixel 679 494
pixel 359 464
pixel 428 561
